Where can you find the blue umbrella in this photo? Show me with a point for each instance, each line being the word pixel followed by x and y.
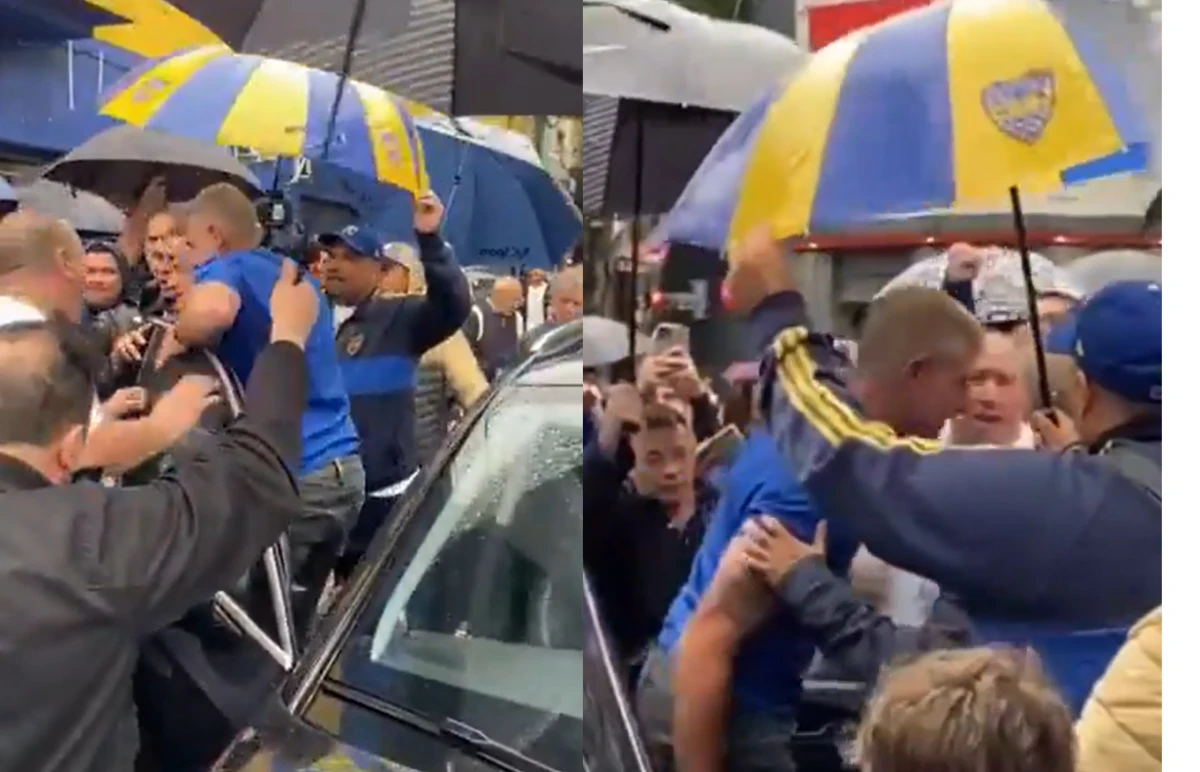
pixel 501 210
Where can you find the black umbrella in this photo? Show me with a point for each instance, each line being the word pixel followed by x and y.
pixel 670 81
pixel 117 165
pixel 465 57
pixel 1153 218
pixel 675 139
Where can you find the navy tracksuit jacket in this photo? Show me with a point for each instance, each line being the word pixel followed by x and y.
pixel 379 347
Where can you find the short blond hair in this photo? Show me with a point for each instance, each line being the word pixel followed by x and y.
pixel 229 205
pixel 914 322
pixel 968 710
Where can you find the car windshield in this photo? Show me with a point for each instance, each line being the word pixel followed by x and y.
pixel 477 618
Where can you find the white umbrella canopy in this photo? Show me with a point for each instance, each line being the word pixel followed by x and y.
pixel 656 51
pixel 606 341
pixel 1000 287
pixel 1093 272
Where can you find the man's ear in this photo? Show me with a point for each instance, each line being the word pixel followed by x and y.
pixel 70 449
pixel 917 367
pixel 1087 395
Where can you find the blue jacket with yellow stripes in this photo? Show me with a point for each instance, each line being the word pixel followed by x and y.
pixel 1058 551
pixel 379 347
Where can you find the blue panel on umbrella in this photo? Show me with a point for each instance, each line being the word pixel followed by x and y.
pixel 199 107
pixel 351 145
pixel 890 147
pixel 500 210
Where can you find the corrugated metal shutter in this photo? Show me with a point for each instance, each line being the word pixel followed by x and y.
pixel 599 123
pixel 408 51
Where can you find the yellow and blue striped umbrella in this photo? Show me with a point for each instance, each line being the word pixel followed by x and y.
pixel 274 107
pixel 953 103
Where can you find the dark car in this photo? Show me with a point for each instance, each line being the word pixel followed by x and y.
pixel 460 642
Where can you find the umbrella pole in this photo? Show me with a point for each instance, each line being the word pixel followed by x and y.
pixel 1035 324
pixel 356 22
pixel 639 151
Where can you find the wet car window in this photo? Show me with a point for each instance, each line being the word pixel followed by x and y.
pixel 478 618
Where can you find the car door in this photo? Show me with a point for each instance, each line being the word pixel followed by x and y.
pixel 199 681
pixel 611 742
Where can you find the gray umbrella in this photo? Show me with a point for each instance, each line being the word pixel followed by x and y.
pixel 1094 271
pixel 87 213
pixel 606 341
pixel 118 163
pixel 656 51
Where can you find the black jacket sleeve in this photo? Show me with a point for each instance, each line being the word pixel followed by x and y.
pixel 856 640
pixel 706 417
pixel 603 476
pixel 447 299
pixel 962 291
pixel 160 549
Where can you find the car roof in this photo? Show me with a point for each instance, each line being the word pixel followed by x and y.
pixel 561 372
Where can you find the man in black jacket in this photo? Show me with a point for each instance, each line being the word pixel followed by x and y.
pixel 90 571
pixel 645 514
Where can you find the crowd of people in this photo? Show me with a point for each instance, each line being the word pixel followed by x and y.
pixel 903 560
pixel 141 478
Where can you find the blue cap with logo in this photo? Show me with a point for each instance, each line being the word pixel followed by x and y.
pixel 1115 338
pixel 360 239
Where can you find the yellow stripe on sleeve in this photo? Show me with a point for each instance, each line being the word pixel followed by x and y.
pixel 824 410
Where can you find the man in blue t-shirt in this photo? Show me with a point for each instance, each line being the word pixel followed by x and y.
pixel 769 663
pixel 227 308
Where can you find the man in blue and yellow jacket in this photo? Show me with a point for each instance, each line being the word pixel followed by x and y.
pixel 380 340
pixel 1062 550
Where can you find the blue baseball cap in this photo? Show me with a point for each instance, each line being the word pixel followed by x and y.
pixel 1115 338
pixel 360 239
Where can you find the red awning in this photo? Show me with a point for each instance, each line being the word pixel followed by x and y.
pixel 829 20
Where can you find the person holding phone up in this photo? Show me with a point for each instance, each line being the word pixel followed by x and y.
pixel 672 375
pixel 645 513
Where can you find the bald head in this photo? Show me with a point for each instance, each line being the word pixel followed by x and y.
pixel 40 261
pixel 42 236
pixel 566 295
pixel 506 294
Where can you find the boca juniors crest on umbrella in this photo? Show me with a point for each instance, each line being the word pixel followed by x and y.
pixel 953 103
pixel 1023 107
